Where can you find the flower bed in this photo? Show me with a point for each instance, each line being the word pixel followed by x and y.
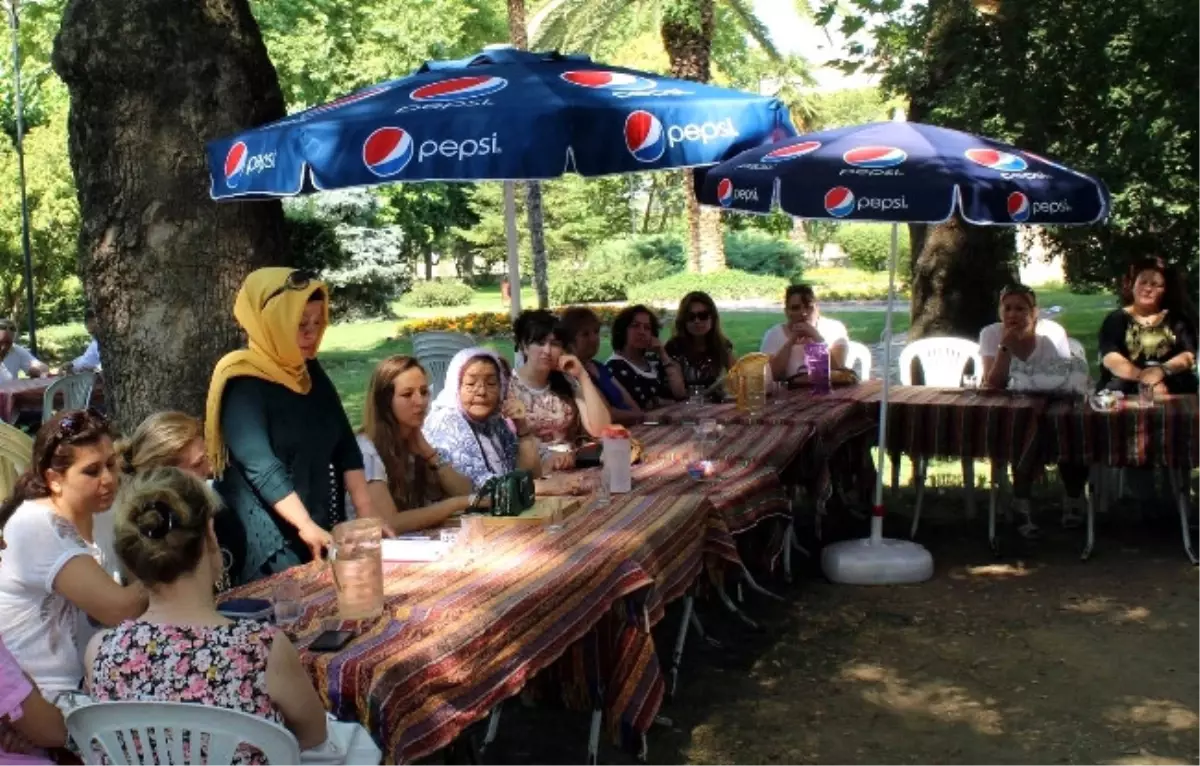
pixel 492 324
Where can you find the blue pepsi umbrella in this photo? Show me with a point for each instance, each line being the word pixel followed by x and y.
pixel 899 172
pixel 499 115
pixel 907 173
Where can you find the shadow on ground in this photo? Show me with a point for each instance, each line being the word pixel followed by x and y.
pixel 1036 657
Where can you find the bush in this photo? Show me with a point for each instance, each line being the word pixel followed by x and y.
pixel 868 246
pixel 571 286
pixel 723 285
pixel 430 294
pixel 757 252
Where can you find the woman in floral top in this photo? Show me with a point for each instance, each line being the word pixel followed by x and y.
pixel 182 649
pixel 558 400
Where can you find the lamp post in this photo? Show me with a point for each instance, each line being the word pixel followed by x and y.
pixel 14 29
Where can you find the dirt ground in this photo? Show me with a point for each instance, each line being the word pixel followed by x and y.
pixel 1035 657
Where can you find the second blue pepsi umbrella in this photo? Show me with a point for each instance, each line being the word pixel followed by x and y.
pixel 907 173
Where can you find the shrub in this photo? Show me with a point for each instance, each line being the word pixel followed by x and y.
pixel 430 294
pixel 570 286
pixel 757 252
pixel 868 246
pixel 722 285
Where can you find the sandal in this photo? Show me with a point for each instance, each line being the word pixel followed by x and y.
pixel 1028 529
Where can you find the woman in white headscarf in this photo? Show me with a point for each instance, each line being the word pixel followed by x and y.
pixel 466 427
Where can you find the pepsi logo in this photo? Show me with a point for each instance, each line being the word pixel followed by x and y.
pixel 644 137
pixel 459 88
pixel 1019 207
pixel 725 192
pixel 791 152
pixel 387 151
pixel 241 164
pixel 839 202
pixel 599 79
pixel 994 159
pixel 235 163
pixel 875 156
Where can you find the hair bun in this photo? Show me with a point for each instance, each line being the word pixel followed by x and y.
pixel 156 520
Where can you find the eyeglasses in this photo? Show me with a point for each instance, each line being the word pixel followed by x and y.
pixel 699 316
pixel 299 279
pixel 477 385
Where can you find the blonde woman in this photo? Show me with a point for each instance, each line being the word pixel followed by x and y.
pixel 166 439
pixel 410 486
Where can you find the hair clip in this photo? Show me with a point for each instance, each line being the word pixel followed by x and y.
pixel 164 526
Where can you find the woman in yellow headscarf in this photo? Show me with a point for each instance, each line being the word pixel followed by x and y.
pixel 278 439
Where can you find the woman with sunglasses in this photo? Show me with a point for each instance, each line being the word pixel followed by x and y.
pixel 53 573
pixel 698 343
pixel 278 439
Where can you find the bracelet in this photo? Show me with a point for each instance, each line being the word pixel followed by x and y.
pixel 435 462
pixel 1003 348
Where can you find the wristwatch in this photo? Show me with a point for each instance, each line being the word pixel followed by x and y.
pixel 434 461
pixel 1003 348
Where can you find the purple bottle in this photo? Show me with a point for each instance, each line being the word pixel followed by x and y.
pixel 816 360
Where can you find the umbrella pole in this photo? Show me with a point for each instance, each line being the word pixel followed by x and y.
pixel 514 258
pixel 877 511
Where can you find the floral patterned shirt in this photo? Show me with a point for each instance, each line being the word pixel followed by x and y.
pixel 550 417
pixel 223 666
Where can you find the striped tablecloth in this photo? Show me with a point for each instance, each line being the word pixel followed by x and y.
pixel 937 422
pixel 460 635
pixel 1165 434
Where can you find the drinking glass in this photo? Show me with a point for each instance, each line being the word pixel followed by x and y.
pixel 1145 395
pixel 288 604
pixel 971 383
pixel 470 535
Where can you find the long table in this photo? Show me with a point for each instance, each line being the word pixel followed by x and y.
pixel 460 635
pixel 25 394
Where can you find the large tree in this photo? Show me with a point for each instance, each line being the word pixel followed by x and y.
pixel 150 82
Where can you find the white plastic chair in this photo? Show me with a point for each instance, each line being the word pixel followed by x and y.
pixel 858 358
pixel 110 727
pixel 1057 334
pixel 434 350
pixel 1077 349
pixel 76 391
pixel 943 363
pixel 16 453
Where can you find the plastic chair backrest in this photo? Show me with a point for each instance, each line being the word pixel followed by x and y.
pixel 1077 349
pixel 76 392
pixel 943 361
pixel 434 350
pixel 1053 330
pixel 858 358
pixel 110 727
pixel 16 453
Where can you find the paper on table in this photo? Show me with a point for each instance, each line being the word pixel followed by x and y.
pixel 413 548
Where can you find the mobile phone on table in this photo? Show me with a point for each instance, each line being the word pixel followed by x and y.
pixel 331 640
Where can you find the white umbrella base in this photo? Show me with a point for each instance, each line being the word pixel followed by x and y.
pixel 880 562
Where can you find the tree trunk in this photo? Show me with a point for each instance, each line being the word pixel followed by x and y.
pixel 957 269
pixel 518 34
pixel 957 272
pixel 150 82
pixel 428 265
pixel 687 33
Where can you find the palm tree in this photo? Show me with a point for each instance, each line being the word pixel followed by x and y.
pixel 686 29
pixel 533 190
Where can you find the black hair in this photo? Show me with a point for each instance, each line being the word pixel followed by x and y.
pixel 804 291
pixel 620 326
pixel 536 327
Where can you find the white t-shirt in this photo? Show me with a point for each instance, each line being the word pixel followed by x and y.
pixel 831 330
pixel 372 466
pixel 1047 347
pixel 41 628
pixel 18 360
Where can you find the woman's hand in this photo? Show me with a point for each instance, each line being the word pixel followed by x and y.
pixel 569 364
pixel 318 540
pixel 419 446
pixel 1153 376
pixel 803 332
pixel 558 461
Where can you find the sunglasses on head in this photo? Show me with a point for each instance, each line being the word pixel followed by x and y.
pixel 699 316
pixel 73 425
pixel 299 279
